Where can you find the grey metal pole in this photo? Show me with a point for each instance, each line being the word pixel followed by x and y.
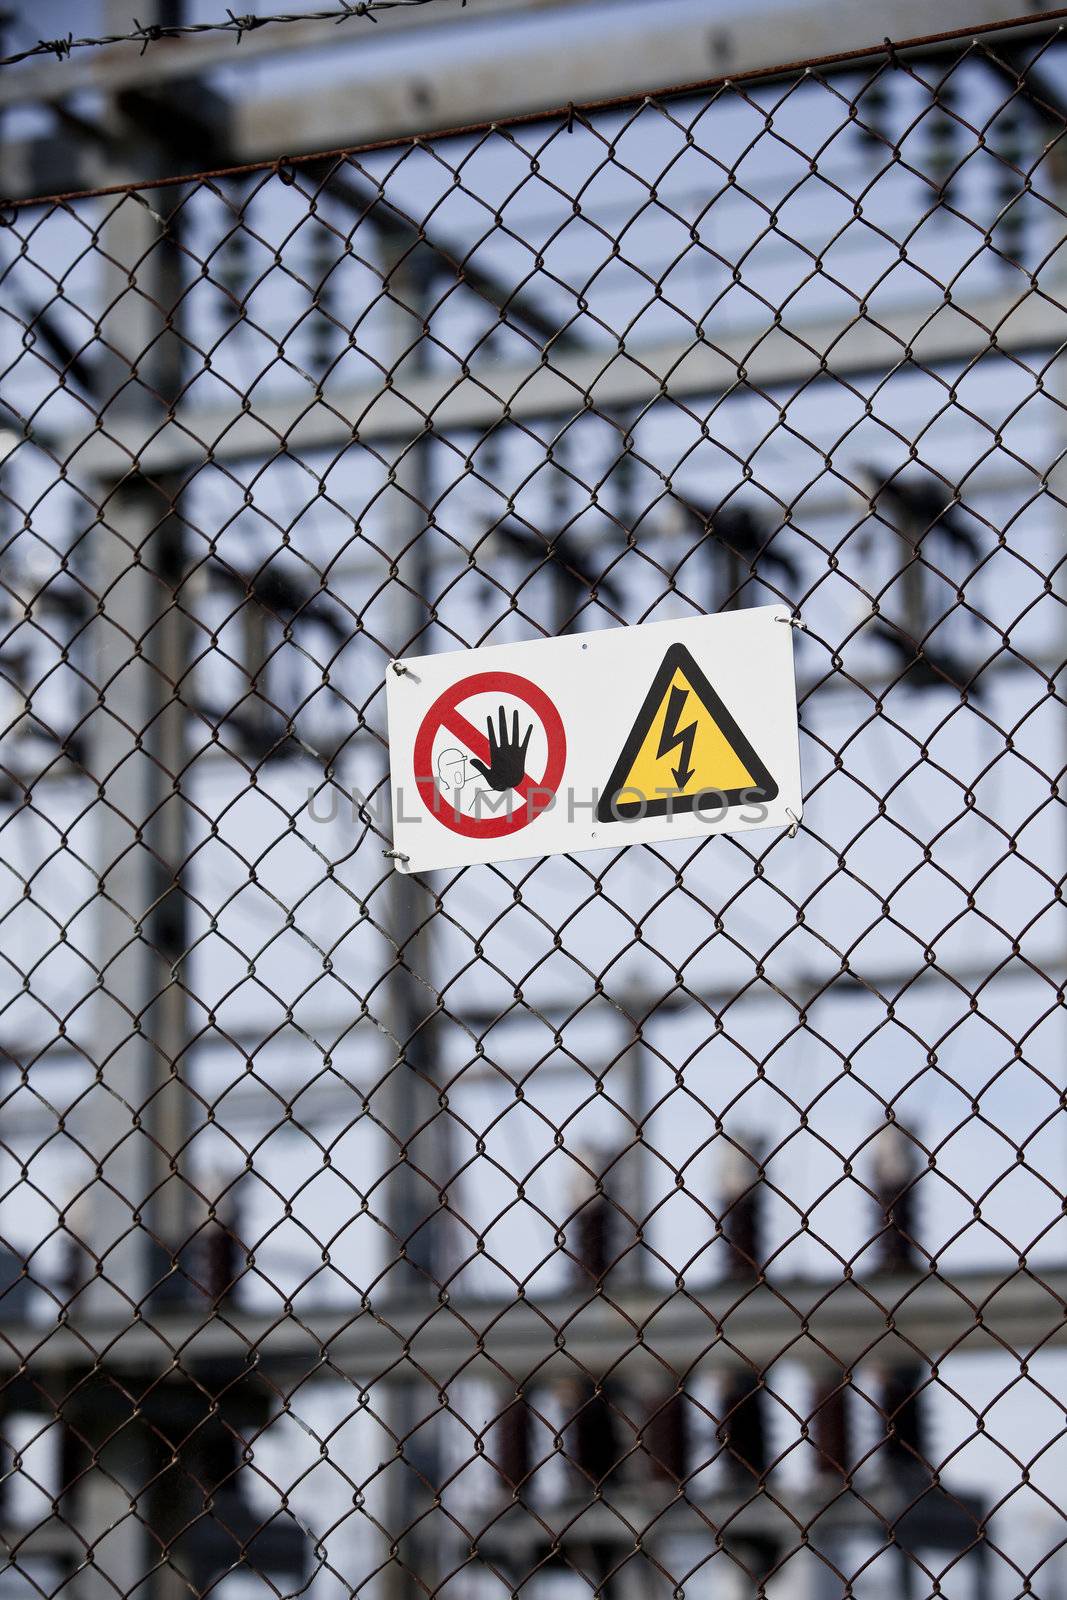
pixel 414 1118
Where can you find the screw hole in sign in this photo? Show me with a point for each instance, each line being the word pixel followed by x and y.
pixel 531 796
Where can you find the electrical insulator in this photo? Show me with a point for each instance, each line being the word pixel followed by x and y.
pixel 829 1427
pixel 510 1449
pixel 742 1192
pixel 902 1404
pixel 872 109
pixel 743 1427
pixel 895 1172
pixel 666 1436
pixel 593 1444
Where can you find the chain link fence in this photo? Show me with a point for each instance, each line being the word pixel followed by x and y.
pixel 674 1221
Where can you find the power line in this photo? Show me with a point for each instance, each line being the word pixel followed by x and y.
pixel 236 23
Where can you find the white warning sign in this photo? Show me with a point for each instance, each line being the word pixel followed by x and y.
pixel 625 736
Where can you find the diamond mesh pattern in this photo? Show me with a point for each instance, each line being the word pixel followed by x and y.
pixel 676 1221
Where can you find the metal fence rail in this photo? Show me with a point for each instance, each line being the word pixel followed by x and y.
pixel 684 1220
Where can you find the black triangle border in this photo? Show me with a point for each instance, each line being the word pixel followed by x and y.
pixel 764 788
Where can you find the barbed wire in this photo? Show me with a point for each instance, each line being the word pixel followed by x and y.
pixel 236 23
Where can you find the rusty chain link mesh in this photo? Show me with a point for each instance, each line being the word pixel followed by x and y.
pixel 675 1221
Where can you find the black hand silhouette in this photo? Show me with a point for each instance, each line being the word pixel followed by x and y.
pixel 507 757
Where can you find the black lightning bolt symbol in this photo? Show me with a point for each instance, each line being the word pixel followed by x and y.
pixel 673 736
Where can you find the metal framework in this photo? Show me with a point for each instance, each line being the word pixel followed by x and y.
pixel 672 1221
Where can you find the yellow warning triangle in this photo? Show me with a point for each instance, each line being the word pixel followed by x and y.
pixel 684 751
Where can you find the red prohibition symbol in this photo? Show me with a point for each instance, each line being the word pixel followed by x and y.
pixel 530 797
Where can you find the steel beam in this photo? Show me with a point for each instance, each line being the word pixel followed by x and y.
pixel 727 1324
pixel 557 382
